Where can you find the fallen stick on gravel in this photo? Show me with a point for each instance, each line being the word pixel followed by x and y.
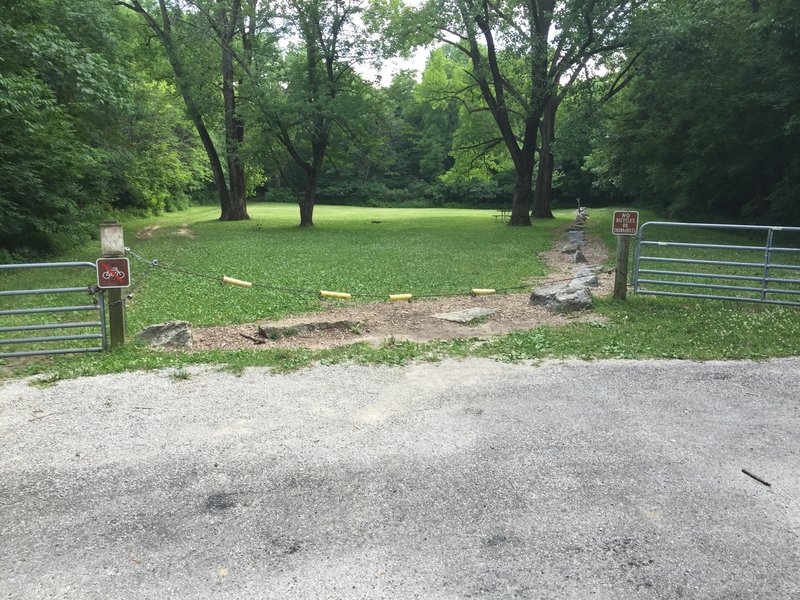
pixel 58 412
pixel 757 478
pixel 253 339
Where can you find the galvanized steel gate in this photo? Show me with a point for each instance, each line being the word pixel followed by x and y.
pixel 97 306
pixel 768 273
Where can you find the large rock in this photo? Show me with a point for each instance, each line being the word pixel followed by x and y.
pixel 466 316
pixel 174 334
pixel 588 270
pixel 576 237
pixel 570 248
pixel 561 297
pixel 589 280
pixel 578 257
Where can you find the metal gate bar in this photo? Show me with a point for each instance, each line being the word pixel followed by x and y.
pixel 715 276
pixel 52 326
pixel 43 291
pixel 98 306
pixel 768 282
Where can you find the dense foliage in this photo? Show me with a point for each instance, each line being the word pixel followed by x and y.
pixel 710 126
pixel 688 105
pixel 86 125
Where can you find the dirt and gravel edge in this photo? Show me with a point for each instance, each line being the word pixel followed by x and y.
pixel 377 322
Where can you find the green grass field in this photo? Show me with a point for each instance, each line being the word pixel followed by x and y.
pixel 419 251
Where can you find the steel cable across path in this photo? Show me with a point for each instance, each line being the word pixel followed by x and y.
pixel 155 263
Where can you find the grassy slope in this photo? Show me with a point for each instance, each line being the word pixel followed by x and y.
pixel 423 251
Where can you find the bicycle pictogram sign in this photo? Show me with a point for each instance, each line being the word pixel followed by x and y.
pixel 113 273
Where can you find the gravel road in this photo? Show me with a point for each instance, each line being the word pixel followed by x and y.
pixel 463 479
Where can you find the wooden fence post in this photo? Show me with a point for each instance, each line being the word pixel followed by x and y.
pixel 621 272
pixel 112 245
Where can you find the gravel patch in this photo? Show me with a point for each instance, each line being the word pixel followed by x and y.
pixel 464 479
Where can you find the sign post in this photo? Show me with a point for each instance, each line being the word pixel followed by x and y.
pixel 625 225
pixel 113 273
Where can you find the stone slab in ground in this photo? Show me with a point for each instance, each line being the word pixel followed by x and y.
pixel 466 316
pixel 273 332
pixel 584 281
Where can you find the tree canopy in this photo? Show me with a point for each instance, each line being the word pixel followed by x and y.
pixel 690 106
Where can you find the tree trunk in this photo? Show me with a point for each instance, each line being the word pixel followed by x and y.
pixel 234 132
pixel 215 163
pixel 522 195
pixel 228 210
pixel 199 123
pixel 542 198
pixel 307 205
pixel 310 195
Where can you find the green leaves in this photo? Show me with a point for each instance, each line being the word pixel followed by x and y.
pixel 82 127
pixel 708 129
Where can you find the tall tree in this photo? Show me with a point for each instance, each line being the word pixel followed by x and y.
pixel 309 100
pixel 522 55
pixel 225 21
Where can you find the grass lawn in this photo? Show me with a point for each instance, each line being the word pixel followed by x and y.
pixel 419 251
pixel 367 251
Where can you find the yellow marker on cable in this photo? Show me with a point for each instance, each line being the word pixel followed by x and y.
pixel 339 295
pixel 398 297
pixel 482 292
pixel 239 282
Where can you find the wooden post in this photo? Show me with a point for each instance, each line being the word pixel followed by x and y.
pixel 112 244
pixel 116 317
pixel 621 272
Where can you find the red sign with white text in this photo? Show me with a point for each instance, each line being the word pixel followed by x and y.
pixel 626 222
pixel 113 273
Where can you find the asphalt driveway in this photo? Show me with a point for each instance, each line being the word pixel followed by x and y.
pixel 464 479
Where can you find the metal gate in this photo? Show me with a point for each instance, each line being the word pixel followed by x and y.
pixel 97 306
pixel 673 259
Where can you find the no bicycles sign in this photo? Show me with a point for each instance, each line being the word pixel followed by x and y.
pixel 626 222
pixel 113 273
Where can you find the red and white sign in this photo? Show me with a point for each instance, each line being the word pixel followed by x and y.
pixel 113 273
pixel 626 222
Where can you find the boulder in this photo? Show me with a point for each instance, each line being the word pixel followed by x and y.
pixel 466 316
pixel 561 297
pixel 174 334
pixel 588 270
pixel 570 248
pixel 578 257
pixel 576 237
pixel 589 280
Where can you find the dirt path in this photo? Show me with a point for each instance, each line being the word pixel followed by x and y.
pixel 380 321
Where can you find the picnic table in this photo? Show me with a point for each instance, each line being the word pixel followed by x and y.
pixel 503 215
